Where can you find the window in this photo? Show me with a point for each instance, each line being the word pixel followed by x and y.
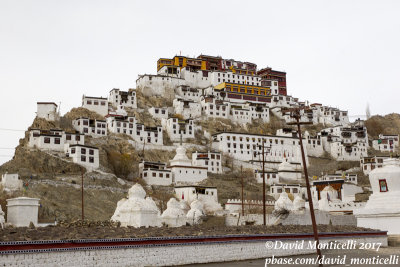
pixel 68 137
pixel 154 174
pixel 47 140
pixel 83 158
pixel 383 185
pixel 77 138
pixel 83 150
pixel 72 150
pixel 160 175
pixel 57 141
pixel 91 152
pixel 91 159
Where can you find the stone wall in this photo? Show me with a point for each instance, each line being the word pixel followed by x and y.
pixel 163 255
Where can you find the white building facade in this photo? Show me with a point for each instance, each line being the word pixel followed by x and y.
pixel 96 104
pixel 47 110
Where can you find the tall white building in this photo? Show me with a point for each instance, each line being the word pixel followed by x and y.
pixel 47 110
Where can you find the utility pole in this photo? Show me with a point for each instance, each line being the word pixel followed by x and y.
pixel 263 175
pixel 295 113
pixel 263 170
pixel 83 214
pixel 241 174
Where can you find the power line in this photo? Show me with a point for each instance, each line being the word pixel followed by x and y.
pixel 15 130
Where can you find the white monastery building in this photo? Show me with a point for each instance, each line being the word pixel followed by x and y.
pixel 368 164
pixel 139 132
pixel 94 128
pixel 176 128
pixel 121 99
pixel 159 113
pixel 47 110
pixel 53 139
pixel 210 159
pixel 87 156
pixel 155 173
pixel 386 143
pixel 248 147
pixel 96 104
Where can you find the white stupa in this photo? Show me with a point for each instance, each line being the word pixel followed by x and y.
pixel 288 172
pixel 329 196
pixel 182 169
pixel 137 210
pixel 195 213
pixel 283 203
pixel 174 215
pixel 299 203
pixel 382 210
pixel 180 158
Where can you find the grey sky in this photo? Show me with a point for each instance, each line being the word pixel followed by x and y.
pixel 339 53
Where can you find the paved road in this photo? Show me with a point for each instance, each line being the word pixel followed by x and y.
pixel 364 254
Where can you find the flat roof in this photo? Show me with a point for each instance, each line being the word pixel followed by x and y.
pixel 46 103
pixel 261 135
pixel 195 186
pixel 86 146
pixel 95 97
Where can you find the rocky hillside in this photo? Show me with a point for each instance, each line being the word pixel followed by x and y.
pixel 388 124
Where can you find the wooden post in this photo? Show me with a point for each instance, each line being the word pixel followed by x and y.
pixel 83 214
pixel 263 170
pixel 295 113
pixel 241 174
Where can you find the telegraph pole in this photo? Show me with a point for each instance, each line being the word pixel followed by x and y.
pixel 263 170
pixel 263 176
pixel 241 174
pixel 83 215
pixel 295 113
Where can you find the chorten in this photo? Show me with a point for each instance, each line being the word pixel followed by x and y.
pixel 137 210
pixel 382 210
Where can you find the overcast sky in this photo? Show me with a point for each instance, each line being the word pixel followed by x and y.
pixel 339 53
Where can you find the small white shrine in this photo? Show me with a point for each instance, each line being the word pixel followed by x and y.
pixel 21 211
pixel 299 203
pixel 174 215
pixel 11 182
pixel 283 203
pixel 196 212
pixel 137 210
pixel 288 172
pixel 382 210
